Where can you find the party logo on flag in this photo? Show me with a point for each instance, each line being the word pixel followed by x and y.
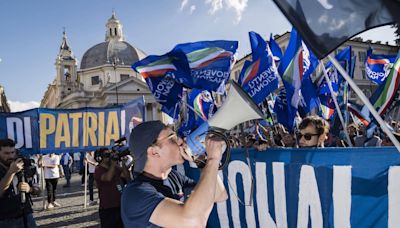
pixel 199 106
pixel 377 67
pixel 155 69
pixel 251 72
pixel 206 56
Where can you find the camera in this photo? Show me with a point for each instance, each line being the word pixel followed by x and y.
pixel 29 166
pixel 118 150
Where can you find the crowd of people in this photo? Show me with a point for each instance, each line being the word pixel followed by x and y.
pixel 262 137
pixel 146 190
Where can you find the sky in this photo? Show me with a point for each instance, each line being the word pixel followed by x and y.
pixel 32 32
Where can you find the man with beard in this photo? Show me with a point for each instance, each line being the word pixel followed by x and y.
pixel 14 213
pixel 107 176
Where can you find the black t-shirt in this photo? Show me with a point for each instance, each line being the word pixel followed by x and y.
pixel 10 201
pixel 141 197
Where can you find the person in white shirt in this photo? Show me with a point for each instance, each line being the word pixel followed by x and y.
pixel 51 164
pixel 89 158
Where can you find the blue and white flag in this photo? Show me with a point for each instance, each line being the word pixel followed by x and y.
pixel 201 108
pixel 377 67
pixel 209 63
pixel 159 73
pixel 275 49
pixel 295 69
pixel 259 77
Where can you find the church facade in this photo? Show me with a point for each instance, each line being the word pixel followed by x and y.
pixel 104 78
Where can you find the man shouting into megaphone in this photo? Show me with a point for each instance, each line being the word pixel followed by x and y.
pixel 158 195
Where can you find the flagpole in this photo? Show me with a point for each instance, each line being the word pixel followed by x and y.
pixel 365 100
pixel 336 104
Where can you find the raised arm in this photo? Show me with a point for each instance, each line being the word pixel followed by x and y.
pixel 196 210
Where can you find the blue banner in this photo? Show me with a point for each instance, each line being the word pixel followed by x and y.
pixel 70 130
pixel 332 187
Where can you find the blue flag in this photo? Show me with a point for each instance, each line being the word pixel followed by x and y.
pixel 159 73
pixel 275 49
pixel 377 67
pixel 259 77
pixel 285 113
pixel 344 58
pixel 209 63
pixel 295 69
pixel 202 107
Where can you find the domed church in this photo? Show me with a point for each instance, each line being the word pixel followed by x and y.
pixel 105 77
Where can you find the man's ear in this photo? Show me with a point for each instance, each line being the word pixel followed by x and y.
pixel 152 152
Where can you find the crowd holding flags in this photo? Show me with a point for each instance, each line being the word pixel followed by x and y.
pixel 202 68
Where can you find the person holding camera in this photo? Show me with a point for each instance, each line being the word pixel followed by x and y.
pixel 159 196
pixel 52 171
pixel 108 176
pixel 14 212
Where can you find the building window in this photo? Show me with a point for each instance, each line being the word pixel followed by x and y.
pixel 363 74
pixel 95 80
pixel 115 30
pixel 111 32
pixel 362 56
pixel 124 77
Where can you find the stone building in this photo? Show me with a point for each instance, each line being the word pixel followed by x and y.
pixel 104 78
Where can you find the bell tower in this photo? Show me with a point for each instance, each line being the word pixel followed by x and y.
pixel 114 29
pixel 66 68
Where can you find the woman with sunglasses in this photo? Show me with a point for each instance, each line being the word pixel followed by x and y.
pixel 313 131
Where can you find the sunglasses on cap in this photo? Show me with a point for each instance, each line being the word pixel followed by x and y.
pixel 307 136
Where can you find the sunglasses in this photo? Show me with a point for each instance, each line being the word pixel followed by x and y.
pixel 172 138
pixel 307 136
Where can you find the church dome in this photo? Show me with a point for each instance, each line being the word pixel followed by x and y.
pixel 114 50
pixel 109 51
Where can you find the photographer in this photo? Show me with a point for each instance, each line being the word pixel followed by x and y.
pixel 13 212
pixel 107 176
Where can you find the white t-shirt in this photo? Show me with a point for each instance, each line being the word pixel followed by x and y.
pixel 91 168
pixel 67 159
pixel 51 173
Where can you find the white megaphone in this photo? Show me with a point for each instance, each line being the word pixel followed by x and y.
pixel 237 108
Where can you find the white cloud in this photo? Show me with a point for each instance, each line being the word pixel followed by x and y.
pixel 238 5
pixel 17 106
pixel 215 5
pixel 183 4
pixel 192 9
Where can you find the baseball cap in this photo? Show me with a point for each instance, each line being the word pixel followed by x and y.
pixel 141 138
